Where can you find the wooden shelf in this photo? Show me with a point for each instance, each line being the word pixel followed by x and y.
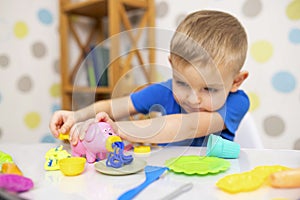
pixel 83 89
pixel 93 8
pixel 98 8
pixel 118 20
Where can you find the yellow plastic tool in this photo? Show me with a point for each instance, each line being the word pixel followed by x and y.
pixel 63 136
pixel 110 140
pixel 142 149
pixel 72 166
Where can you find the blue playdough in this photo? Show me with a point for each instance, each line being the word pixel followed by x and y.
pixel 117 159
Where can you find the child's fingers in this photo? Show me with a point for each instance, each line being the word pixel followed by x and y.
pixel 54 130
pixel 85 127
pixel 71 135
pixel 66 126
pixel 74 133
pixel 54 125
pixel 102 117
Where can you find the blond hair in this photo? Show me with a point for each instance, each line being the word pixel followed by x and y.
pixel 210 35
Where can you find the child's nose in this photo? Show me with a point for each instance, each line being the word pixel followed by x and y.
pixel 195 99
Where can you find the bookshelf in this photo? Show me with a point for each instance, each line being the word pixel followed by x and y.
pixel 116 11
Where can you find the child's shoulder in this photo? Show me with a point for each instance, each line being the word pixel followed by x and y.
pixel 240 93
pixel 239 97
pixel 167 83
pixel 161 89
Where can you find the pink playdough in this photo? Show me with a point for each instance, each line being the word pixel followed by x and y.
pixel 93 145
pixel 15 183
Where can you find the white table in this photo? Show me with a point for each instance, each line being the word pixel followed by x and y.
pixel 94 185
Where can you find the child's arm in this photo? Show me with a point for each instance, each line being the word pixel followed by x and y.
pixel 171 128
pixel 165 129
pixel 62 121
pixel 116 109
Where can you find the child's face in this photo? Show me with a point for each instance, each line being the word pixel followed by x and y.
pixel 204 89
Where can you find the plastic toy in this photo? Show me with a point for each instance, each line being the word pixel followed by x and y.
pixel 142 149
pixel 197 165
pixel 179 191
pixel 134 167
pixel 97 142
pixel 128 147
pixel 286 179
pixel 94 144
pixel 222 148
pixel 15 183
pixel 152 174
pixel 63 136
pixel 248 181
pixel 53 156
pixel 72 166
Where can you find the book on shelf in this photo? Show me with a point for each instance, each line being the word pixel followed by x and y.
pixel 90 71
pixel 100 58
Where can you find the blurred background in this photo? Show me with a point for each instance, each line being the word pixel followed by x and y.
pixel 30 74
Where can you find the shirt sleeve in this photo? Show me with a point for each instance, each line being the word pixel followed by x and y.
pixel 235 108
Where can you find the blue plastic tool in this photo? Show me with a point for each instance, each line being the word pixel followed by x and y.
pixel 152 174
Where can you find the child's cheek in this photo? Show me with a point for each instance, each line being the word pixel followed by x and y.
pixel 178 95
pixel 217 103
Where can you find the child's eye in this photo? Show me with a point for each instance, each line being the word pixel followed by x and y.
pixel 210 89
pixel 181 83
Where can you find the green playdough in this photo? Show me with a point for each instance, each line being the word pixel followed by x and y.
pixel 200 165
pixel 5 158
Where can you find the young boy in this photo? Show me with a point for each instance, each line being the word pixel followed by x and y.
pixel 208 51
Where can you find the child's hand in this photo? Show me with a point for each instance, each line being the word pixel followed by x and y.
pixel 78 131
pixel 61 122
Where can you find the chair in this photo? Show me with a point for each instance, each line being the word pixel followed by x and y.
pixel 247 134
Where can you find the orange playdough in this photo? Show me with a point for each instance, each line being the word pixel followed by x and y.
pixel 286 179
pixel 11 168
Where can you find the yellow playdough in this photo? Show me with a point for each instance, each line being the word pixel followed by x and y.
pixel 248 181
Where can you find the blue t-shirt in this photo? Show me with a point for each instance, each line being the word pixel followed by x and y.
pixel 159 97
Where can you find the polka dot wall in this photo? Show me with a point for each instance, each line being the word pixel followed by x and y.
pixel 274 44
pixel 30 81
pixel 29 64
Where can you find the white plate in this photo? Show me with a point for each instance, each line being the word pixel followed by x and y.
pixel 135 166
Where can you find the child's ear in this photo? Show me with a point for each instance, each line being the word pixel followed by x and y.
pixel 169 58
pixel 238 80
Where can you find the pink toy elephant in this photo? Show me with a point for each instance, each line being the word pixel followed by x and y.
pixel 93 145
